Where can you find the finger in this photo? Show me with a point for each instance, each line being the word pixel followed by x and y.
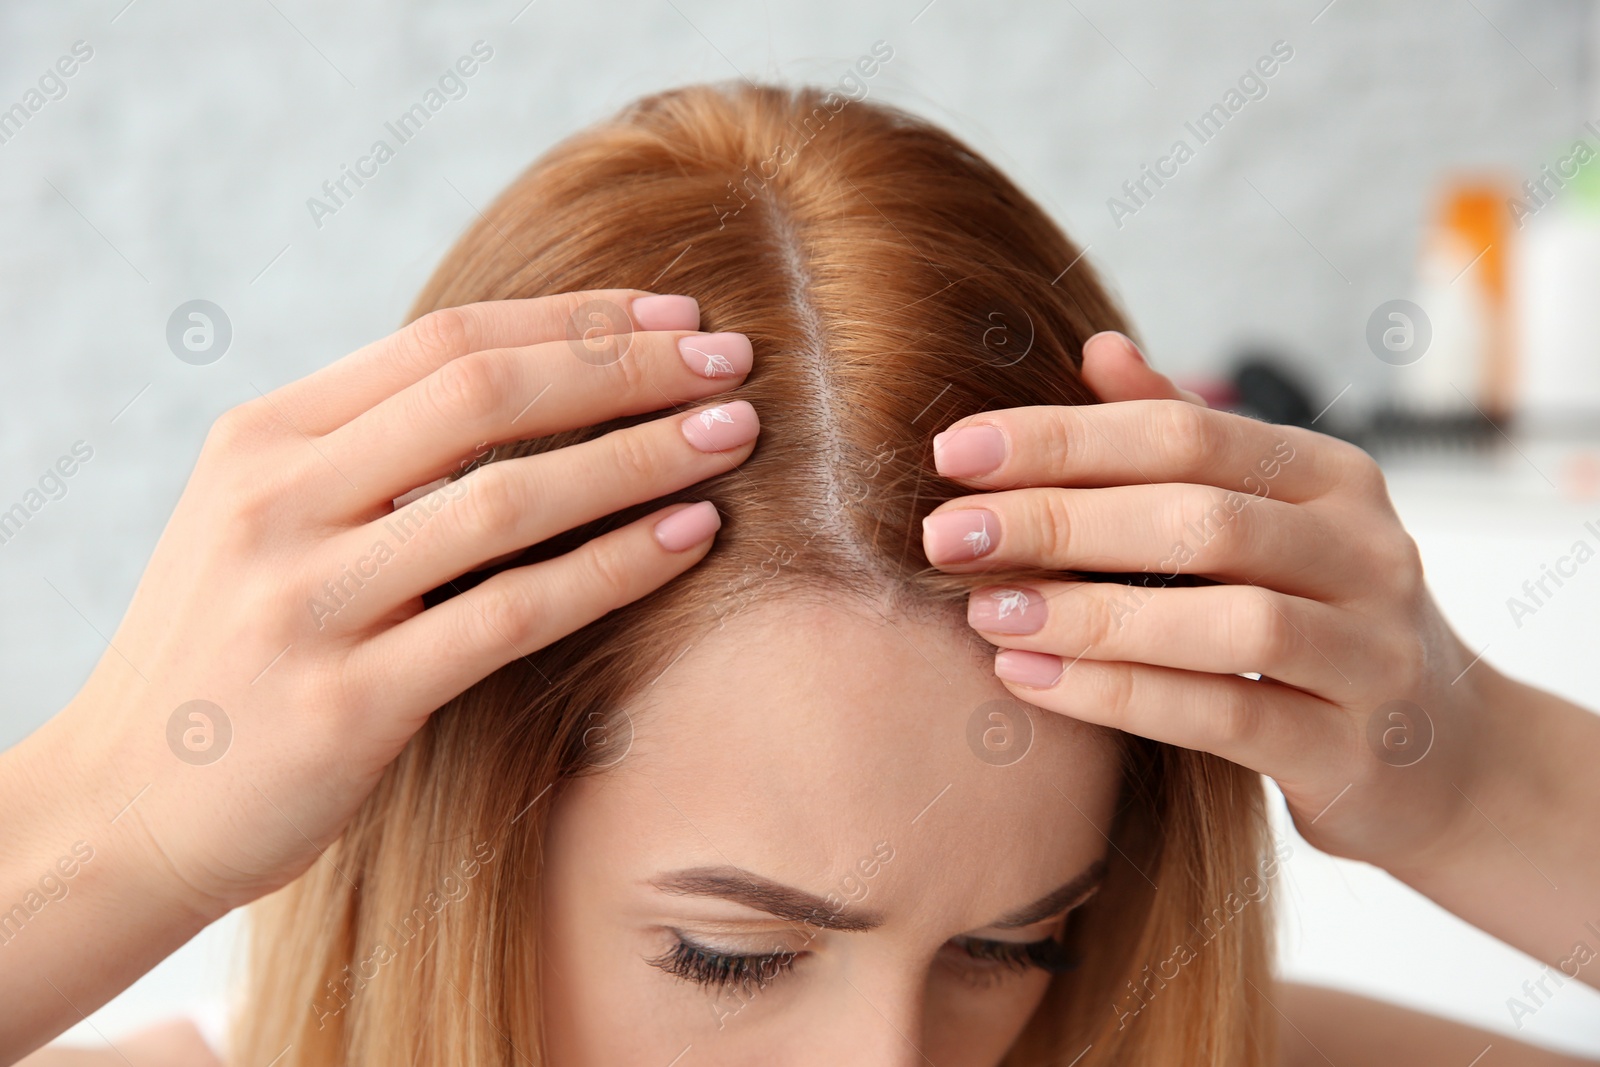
pixel 1147 441
pixel 1218 629
pixel 1272 729
pixel 515 503
pixel 426 660
pixel 320 402
pixel 508 394
pixel 1163 529
pixel 1114 369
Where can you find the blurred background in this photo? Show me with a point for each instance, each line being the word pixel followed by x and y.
pixel 1381 223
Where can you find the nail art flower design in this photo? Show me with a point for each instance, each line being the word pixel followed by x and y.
pixel 717 366
pixel 714 415
pixel 979 538
pixel 1010 600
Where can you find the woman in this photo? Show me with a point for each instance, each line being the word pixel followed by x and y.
pixel 780 716
pixel 780 808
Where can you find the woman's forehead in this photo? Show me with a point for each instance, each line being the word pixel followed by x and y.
pixel 848 685
pixel 810 738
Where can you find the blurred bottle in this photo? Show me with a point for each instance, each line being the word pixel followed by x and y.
pixel 1555 287
pixel 1462 288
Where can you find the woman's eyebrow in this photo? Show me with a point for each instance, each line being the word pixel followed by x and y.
pixel 796 905
pixel 1055 902
pixel 763 894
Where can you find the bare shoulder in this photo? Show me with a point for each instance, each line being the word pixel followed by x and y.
pixel 1325 1026
pixel 172 1044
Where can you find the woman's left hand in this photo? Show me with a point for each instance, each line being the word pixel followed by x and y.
pixel 1369 712
pixel 1392 741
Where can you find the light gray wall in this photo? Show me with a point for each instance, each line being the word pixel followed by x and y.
pixel 179 162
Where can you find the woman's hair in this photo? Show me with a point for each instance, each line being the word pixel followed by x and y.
pixel 890 280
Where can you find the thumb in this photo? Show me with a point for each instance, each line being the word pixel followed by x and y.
pixel 1114 369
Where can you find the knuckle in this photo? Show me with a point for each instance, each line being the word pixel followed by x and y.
pixel 1185 433
pixel 257 496
pixel 1401 560
pixel 1113 690
pixel 236 427
pixel 441 333
pixel 492 505
pixel 1361 472
pixel 1220 524
pixel 507 610
pixel 471 386
pixel 1056 436
pixel 634 457
pixel 1413 661
pixel 345 687
pixel 609 568
pixel 248 482
pixel 631 369
pixel 1258 633
pixel 1100 619
pixel 1051 522
pixel 1236 720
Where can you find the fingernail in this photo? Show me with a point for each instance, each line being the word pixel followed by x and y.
pixel 721 428
pixel 667 312
pixel 1006 610
pixel 957 535
pixel 1124 338
pixel 716 355
pixel 1037 669
pixel 969 451
pixel 688 527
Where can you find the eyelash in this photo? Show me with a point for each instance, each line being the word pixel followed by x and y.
pixel 707 967
pixel 1048 955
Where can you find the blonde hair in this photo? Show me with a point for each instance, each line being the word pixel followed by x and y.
pixel 890 280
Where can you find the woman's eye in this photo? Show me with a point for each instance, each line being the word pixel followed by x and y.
pixel 709 967
pixel 1048 955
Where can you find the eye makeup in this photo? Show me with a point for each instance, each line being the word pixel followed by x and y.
pixel 981 959
pixel 716 969
pixel 1047 954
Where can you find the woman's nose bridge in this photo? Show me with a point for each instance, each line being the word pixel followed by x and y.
pixel 874 1025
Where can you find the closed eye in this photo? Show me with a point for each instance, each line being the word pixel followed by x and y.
pixel 983 961
pixel 1048 955
pixel 708 967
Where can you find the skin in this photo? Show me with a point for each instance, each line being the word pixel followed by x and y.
pixel 745 755
pixel 732 763
pixel 1323 1026
pixel 1321 592
pixel 288 489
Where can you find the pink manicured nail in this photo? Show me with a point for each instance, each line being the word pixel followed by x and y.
pixel 969 451
pixel 721 428
pixel 951 536
pixel 667 312
pixel 688 527
pixel 716 355
pixel 1006 610
pixel 1037 669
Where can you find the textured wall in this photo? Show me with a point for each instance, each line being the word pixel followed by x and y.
pixel 178 162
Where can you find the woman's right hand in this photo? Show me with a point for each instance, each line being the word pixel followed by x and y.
pixel 286 590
